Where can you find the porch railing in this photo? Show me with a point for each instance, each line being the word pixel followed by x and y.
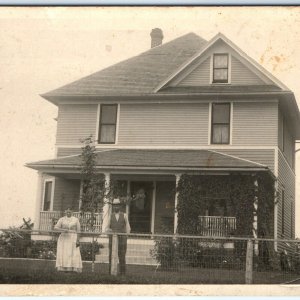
pixel 216 225
pixel 49 218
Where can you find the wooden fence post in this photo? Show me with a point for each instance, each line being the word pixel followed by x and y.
pixel 249 263
pixel 114 256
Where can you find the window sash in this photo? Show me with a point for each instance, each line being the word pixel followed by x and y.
pixel 217 75
pixel 220 134
pixel 107 134
pixel 220 130
pixel 107 128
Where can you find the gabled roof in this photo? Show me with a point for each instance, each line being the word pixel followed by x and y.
pixel 209 44
pixel 138 75
pixel 120 159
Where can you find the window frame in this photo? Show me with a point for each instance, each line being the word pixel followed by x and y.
pixel 228 124
pixel 218 68
pixel 51 194
pixel 100 124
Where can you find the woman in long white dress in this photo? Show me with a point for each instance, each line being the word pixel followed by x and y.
pixel 68 257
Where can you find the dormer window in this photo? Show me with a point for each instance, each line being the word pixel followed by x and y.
pixel 220 68
pixel 108 123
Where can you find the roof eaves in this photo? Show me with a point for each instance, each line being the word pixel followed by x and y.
pixel 141 167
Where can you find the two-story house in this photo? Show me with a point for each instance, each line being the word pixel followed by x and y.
pixel 189 106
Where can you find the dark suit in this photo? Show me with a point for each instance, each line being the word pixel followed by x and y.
pixel 119 226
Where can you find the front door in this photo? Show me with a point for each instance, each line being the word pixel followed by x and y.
pixel 141 206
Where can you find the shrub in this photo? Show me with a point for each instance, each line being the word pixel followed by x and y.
pixel 165 251
pixel 86 250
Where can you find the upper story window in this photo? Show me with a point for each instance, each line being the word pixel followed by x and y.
pixel 220 68
pixel 108 124
pixel 220 123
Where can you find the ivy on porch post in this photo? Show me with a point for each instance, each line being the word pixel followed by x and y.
pixel 107 205
pixel 178 176
pixel 255 207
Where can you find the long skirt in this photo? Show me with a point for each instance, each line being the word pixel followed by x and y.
pixel 68 257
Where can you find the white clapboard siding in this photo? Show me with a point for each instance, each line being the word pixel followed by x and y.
pixel 61 151
pixel 75 122
pixel 255 124
pixel 262 156
pixel 163 124
pixel 286 181
pixel 199 76
pixel 66 194
pixel 241 75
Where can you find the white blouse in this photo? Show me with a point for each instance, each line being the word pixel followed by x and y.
pixel 70 223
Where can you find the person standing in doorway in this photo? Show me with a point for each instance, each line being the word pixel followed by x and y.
pixel 118 224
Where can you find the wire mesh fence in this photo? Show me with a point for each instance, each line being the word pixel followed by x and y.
pixel 145 258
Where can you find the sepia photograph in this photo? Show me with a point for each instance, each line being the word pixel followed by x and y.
pixel 149 146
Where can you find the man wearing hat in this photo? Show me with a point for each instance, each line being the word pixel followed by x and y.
pixel 119 224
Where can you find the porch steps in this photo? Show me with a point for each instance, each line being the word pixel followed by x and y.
pixel 138 253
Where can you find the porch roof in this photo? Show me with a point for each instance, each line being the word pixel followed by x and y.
pixel 158 159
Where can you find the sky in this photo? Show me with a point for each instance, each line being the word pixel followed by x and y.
pixel 42 48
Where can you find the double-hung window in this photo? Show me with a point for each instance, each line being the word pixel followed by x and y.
pixel 108 123
pixel 220 123
pixel 220 68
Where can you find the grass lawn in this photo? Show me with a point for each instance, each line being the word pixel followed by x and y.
pixel 28 271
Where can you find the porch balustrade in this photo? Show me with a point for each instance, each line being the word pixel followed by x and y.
pixel 49 218
pixel 207 225
pixel 216 226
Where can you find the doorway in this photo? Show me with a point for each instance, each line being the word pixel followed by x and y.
pixel 141 206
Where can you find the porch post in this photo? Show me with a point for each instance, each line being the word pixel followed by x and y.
pixel 153 207
pixel 80 195
pixel 255 207
pixel 176 202
pixel 39 200
pixel 128 195
pixel 107 205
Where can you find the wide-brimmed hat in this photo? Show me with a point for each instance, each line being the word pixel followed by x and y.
pixel 116 201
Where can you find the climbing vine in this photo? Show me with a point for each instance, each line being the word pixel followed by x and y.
pixel 197 193
pixel 94 191
pixel 93 188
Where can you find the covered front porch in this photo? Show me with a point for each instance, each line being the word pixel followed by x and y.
pixel 153 212
pixel 151 178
